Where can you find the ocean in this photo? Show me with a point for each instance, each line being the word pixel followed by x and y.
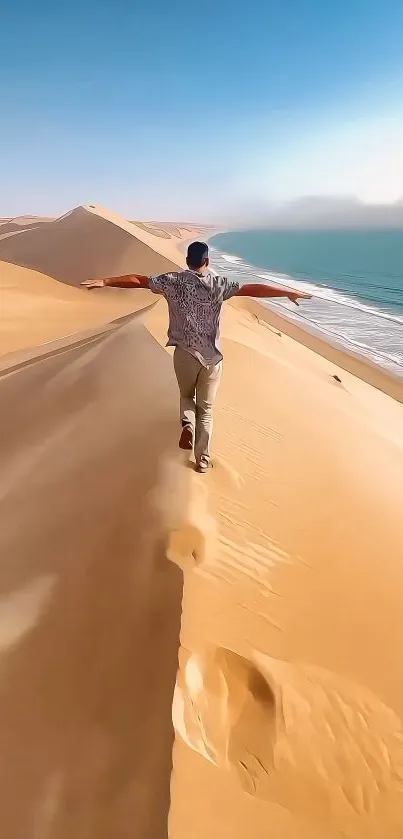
pixel 355 277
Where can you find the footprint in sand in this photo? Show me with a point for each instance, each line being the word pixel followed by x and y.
pixel 193 540
pixel 226 471
pixel 296 734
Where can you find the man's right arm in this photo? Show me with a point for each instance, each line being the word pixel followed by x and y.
pixel 125 281
pixel 264 290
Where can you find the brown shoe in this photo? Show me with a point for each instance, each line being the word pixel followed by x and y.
pixel 202 466
pixel 186 439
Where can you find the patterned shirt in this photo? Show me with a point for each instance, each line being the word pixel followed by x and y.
pixel 194 302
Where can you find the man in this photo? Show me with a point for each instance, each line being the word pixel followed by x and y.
pixel 195 298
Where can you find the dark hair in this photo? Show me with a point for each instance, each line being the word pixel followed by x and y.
pixel 197 255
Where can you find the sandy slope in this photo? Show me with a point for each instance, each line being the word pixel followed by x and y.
pixel 87 242
pixel 290 682
pixel 89 606
pixel 305 584
pixel 35 308
pixel 91 242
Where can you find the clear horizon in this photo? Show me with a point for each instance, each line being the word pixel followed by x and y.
pixel 177 114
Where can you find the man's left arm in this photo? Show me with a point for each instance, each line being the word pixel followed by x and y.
pixel 262 290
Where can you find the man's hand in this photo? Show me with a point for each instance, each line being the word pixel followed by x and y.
pixel 294 296
pixel 93 283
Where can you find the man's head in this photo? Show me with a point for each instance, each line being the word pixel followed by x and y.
pixel 197 256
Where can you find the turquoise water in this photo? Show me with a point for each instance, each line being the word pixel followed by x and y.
pixel 355 277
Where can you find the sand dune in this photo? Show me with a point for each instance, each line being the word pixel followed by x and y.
pixel 90 242
pixel 19 223
pixel 289 701
pixel 87 242
pixel 302 734
pixel 89 606
pixel 36 309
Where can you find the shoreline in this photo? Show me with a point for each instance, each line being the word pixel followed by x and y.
pixel 319 341
pixel 352 363
pixel 355 363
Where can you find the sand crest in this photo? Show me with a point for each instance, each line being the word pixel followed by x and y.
pixel 89 242
pixel 89 606
pixel 288 704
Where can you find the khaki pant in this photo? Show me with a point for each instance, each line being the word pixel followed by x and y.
pixel 198 387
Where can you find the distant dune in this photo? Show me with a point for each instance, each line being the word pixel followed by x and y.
pixel 20 223
pixel 90 241
pixel 86 242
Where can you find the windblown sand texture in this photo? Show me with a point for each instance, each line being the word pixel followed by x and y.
pixel 288 705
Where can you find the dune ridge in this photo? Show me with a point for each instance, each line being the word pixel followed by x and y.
pixel 87 600
pixel 86 242
pixel 288 704
pixel 91 241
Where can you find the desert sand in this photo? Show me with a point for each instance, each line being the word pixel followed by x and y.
pixel 288 704
pixel 86 242
pixel 89 607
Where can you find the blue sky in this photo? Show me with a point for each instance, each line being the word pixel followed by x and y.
pixel 185 110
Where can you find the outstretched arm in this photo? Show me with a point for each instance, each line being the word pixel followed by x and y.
pixel 266 291
pixel 126 281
